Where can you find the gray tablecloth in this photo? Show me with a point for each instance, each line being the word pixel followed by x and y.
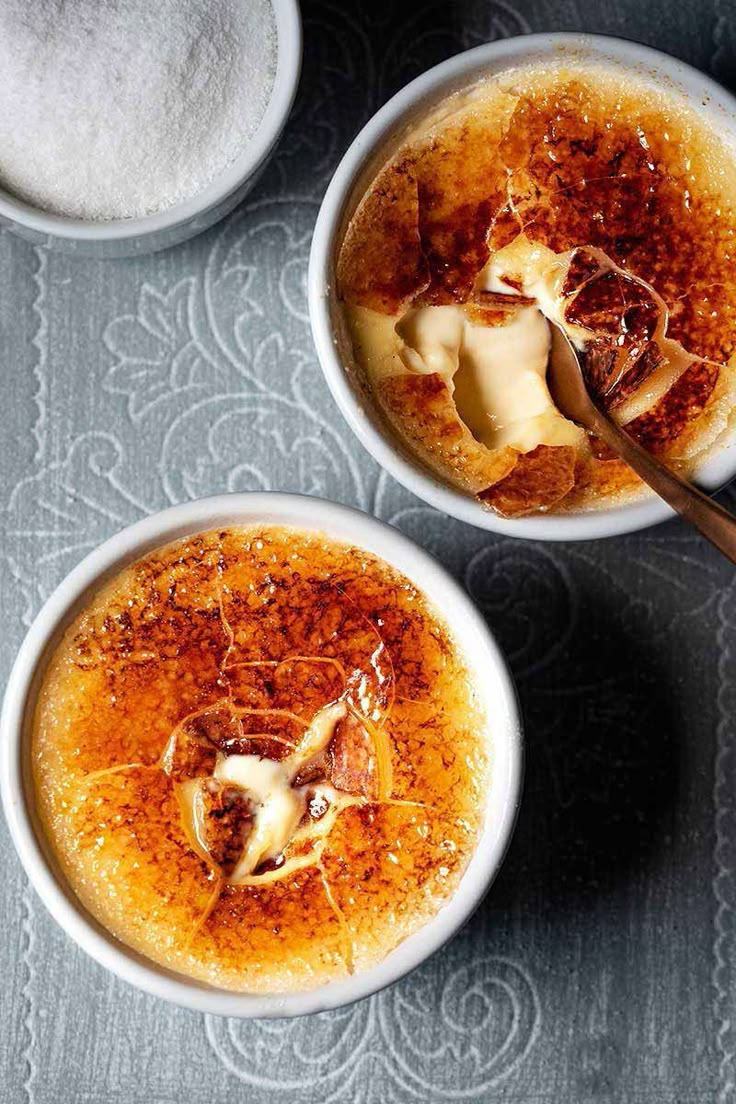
pixel 601 967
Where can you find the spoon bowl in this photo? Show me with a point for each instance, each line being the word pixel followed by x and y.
pixel 571 396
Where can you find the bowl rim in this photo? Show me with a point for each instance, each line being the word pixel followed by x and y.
pixel 288 23
pixel 699 90
pixel 338 521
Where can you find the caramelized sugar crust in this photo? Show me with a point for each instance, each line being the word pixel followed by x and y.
pixel 623 170
pixel 583 162
pixel 232 641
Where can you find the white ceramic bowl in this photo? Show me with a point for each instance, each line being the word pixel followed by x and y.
pixel 126 237
pixel 353 174
pixel 483 657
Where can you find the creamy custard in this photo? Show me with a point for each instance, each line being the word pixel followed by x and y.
pixel 260 759
pixel 547 195
pixel 497 374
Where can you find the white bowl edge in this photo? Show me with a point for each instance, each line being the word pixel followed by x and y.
pixel 340 522
pixel 696 87
pixel 17 213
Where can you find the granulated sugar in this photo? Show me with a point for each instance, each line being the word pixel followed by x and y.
pixel 118 108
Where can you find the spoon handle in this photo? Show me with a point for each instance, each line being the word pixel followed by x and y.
pixel 715 523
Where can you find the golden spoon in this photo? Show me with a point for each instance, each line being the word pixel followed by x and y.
pixel 570 394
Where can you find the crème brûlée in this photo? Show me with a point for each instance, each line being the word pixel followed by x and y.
pixel 577 197
pixel 260 759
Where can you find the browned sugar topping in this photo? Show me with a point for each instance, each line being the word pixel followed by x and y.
pixel 575 161
pixel 230 643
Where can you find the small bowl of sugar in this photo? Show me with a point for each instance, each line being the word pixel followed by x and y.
pixel 126 126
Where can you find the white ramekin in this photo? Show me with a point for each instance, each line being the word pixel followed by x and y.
pixel 482 655
pixel 353 173
pixel 126 237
